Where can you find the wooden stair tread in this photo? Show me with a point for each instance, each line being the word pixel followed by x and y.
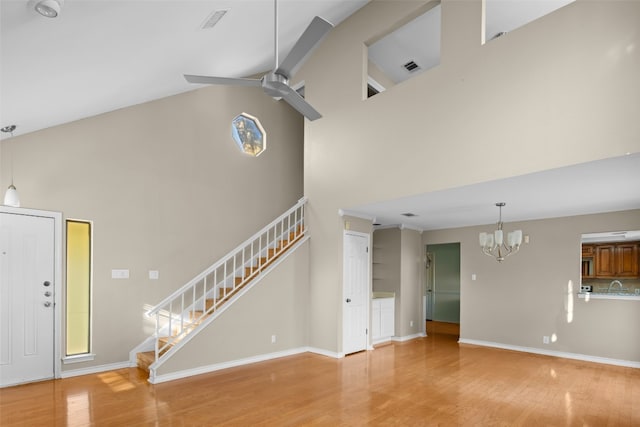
pixel 145 359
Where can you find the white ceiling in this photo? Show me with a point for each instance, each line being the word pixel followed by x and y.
pixel 602 186
pixel 419 39
pixel 391 52
pixel 503 16
pixel 102 55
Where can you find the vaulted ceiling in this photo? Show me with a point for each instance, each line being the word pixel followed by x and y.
pixel 102 55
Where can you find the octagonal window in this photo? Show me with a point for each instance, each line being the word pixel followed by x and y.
pixel 249 134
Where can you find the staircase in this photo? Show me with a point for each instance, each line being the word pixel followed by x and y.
pixel 191 308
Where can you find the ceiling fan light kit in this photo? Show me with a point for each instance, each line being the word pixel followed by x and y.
pixel 493 244
pixel 276 82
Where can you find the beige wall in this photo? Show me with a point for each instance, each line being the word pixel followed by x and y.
pixel 398 267
pixel 534 293
pixel 387 267
pixel 379 76
pixel 359 225
pixel 410 319
pixel 387 260
pixel 275 306
pixel 166 189
pixel 559 91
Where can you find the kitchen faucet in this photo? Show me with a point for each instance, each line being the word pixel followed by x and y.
pixel 614 282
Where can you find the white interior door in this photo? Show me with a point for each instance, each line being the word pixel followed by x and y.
pixel 355 302
pixel 27 261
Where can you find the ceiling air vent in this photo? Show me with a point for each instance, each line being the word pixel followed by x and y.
pixel 213 18
pixel 500 34
pixel 408 214
pixel 411 66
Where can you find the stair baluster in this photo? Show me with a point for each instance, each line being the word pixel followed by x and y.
pixel 184 311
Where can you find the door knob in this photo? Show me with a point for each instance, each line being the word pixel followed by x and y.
pixel 348 299
pixel 47 283
pixel 47 304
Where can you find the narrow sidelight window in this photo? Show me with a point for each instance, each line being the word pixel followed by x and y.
pixel 78 318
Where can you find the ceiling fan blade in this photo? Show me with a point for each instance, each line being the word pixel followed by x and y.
pixel 308 41
pixel 222 80
pixel 303 107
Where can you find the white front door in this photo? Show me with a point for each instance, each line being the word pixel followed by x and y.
pixel 355 295
pixel 27 290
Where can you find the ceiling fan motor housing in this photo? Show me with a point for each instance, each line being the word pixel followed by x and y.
pixel 275 85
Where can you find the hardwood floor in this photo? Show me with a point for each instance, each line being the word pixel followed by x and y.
pixel 423 382
pixel 443 328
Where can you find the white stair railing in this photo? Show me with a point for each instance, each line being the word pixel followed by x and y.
pixel 181 312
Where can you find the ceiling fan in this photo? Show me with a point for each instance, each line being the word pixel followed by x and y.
pixel 276 82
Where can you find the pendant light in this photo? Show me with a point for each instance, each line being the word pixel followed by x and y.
pixel 494 244
pixel 11 196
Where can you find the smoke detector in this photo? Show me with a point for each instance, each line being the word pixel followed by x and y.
pixel 46 8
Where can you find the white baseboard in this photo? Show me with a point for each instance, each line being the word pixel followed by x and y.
pixel 381 341
pixel 239 362
pixel 408 337
pixel 94 369
pixel 264 357
pixel 322 352
pixel 576 356
pixel 224 365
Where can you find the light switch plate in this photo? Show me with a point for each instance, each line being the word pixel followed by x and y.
pixel 154 274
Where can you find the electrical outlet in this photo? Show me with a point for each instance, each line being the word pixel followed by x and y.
pixel 545 340
pixel 411 323
pixel 273 339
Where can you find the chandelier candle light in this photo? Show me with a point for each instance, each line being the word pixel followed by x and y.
pixel 493 244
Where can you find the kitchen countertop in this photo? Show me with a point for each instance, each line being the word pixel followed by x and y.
pixel 608 295
pixel 377 295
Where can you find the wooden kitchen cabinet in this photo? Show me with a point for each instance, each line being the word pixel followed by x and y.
pixel 616 260
pixel 628 260
pixel 605 261
pixel 588 270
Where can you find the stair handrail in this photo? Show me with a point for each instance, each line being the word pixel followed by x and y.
pixel 227 257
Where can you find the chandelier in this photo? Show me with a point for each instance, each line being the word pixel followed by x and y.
pixel 493 244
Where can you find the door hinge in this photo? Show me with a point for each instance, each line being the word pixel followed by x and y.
pixel 367 249
pixel 366 331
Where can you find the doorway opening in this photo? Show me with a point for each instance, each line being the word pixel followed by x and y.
pixel 442 289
